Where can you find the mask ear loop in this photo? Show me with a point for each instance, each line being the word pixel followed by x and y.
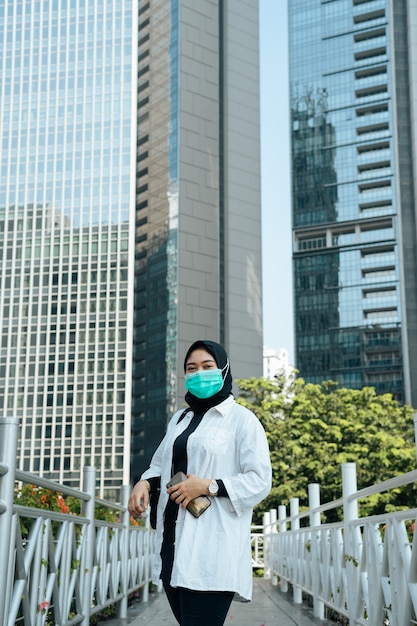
pixel 223 368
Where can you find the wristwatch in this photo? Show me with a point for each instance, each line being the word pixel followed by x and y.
pixel 213 488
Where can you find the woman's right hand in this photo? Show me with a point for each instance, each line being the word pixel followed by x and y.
pixel 139 498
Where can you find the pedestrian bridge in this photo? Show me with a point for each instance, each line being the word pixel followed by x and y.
pixel 269 607
pixel 72 567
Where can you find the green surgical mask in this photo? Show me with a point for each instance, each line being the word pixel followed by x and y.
pixel 204 383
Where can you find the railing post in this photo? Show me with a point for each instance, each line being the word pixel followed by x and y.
pixel 314 502
pixel 273 520
pixel 147 556
pixel 266 520
pixel 350 514
pixel 88 511
pixel 8 446
pixel 125 519
pixel 295 525
pixel 273 527
pixel 282 514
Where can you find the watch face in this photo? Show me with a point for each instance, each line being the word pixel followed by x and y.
pixel 213 488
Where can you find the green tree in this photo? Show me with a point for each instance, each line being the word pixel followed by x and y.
pixel 313 429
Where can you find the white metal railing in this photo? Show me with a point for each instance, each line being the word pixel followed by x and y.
pixel 69 567
pixel 362 568
pixel 257 546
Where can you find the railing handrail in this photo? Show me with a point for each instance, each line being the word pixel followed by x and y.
pixel 47 483
pixel 386 485
pixel 33 511
pixel 114 506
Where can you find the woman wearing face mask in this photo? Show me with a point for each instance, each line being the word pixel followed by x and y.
pixel 221 447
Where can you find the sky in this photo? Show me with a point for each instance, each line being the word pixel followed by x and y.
pixel 275 177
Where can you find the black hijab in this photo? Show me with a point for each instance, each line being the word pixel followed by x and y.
pixel 220 356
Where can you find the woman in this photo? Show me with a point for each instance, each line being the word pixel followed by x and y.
pixel 205 562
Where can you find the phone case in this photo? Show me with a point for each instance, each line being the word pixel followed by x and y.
pixel 198 505
pixel 178 478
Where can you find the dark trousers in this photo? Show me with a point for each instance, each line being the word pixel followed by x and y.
pixel 198 608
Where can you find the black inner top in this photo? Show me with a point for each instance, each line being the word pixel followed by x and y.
pixel 179 451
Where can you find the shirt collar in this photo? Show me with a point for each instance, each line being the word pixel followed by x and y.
pixel 223 407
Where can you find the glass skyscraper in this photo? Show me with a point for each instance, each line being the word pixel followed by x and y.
pixel 129 219
pixel 353 79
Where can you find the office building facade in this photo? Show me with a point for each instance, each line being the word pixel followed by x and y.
pixel 130 219
pixel 353 78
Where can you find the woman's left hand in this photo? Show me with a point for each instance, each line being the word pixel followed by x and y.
pixel 183 493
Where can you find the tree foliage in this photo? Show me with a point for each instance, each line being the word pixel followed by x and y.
pixel 313 429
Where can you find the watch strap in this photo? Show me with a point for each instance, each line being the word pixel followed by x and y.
pixel 222 489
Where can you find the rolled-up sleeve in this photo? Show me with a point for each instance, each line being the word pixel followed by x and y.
pixel 253 482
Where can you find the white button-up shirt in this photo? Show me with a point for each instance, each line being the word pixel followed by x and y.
pixel 213 552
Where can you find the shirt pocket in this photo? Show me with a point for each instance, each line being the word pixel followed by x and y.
pixel 219 442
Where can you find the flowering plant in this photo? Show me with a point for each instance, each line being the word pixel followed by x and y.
pixel 32 496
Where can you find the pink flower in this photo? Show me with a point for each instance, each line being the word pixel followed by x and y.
pixel 42 606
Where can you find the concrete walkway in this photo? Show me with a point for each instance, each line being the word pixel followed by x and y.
pixel 270 607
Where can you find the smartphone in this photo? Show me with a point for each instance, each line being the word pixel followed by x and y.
pixel 178 478
pixel 198 505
